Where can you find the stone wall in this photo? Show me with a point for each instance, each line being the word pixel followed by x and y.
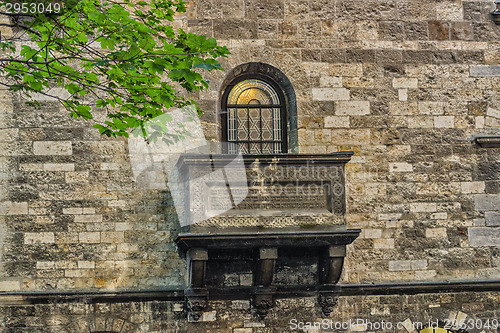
pixel 355 313
pixel 406 86
pixel 403 84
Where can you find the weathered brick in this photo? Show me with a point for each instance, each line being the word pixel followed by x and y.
pixel 423 207
pixel 485 202
pixel 444 121
pixel 59 166
pixel 88 218
pixel 399 265
pixel 10 285
pixel 336 122
pixel 13 208
pixel 485 70
pixel 436 233
pixel 383 243
pixel 400 167
pixel 39 237
pixel 473 187
pixel 405 82
pixel 493 218
pixel 352 108
pixel 487 236
pixel 52 148
pixel 89 237
pixel 330 94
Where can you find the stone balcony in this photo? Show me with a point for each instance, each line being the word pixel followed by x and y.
pixel 264 205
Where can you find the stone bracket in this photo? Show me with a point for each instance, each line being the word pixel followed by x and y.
pixel 331 246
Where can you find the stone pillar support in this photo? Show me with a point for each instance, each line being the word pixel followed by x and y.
pixel 196 293
pixel 263 277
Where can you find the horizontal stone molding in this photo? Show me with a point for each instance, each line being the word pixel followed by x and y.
pixel 177 294
pixel 488 141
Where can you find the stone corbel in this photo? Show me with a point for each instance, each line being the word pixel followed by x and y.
pixel 330 270
pixel 196 293
pixel 263 277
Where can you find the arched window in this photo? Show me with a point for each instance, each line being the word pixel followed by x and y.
pixel 258 111
pixel 256 118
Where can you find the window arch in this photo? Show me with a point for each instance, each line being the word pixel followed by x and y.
pixel 258 111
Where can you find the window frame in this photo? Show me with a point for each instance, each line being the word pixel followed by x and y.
pixel 283 111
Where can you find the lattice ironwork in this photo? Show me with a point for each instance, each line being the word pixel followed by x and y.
pixel 255 118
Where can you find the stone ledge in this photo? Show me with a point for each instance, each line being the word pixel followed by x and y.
pixel 266 239
pixel 488 141
pixel 177 295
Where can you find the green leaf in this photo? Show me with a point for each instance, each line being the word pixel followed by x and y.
pixel 122 56
pixel 84 111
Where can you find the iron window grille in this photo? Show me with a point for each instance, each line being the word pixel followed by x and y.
pixel 254 119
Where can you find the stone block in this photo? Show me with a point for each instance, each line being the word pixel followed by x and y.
pixel 336 122
pixel 403 108
pixel 399 265
pixel 431 108
pixel 421 122
pixel 88 218
pixel 13 208
pixel 405 82
pixel 77 177
pixel 45 265
pixel 330 94
pixel 472 187
pixel 253 324
pixel 39 237
pixel 490 112
pixel 235 29
pixel 492 219
pixel 418 265
pixel 436 233
pixel 8 134
pixel 10 285
pixel 485 70
pixel 403 94
pixel 240 305
pixel 86 264
pixel 444 122
pixel 383 243
pixel 350 136
pixel 372 233
pixel 439 30
pixel 73 210
pixel 52 148
pixel 89 237
pixel 400 167
pixel 346 70
pixel 462 31
pixel 59 167
pixel 242 330
pixel 112 237
pixel 423 207
pixel 352 108
pixel 487 202
pixel 330 81
pixel 209 316
pixel 246 279
pixel 484 236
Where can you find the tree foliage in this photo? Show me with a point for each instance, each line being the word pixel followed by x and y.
pixel 120 55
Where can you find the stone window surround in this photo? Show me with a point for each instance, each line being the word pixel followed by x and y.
pixel 267 72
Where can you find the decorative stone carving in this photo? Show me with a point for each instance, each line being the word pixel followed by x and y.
pixel 263 222
pixel 328 301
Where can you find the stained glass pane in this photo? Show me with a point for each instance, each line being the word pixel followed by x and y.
pixel 254 129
